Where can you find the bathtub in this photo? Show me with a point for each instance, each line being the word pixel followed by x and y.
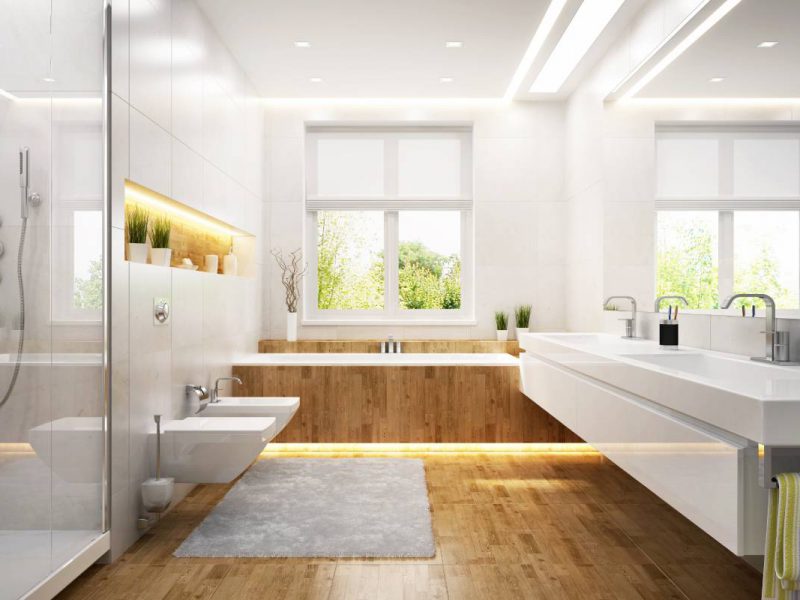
pixel 330 359
pixel 426 398
pixel 57 359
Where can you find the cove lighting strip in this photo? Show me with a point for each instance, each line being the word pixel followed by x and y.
pixel 144 196
pixel 586 26
pixel 425 448
pixel 682 46
pixel 542 33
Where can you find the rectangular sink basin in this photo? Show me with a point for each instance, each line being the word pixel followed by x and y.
pixel 743 376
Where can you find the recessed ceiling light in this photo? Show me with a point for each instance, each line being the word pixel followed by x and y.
pixel 716 79
pixel 315 79
pixel 453 44
pixel 48 79
pixel 584 29
pixel 446 79
pixel 301 44
pixel 767 45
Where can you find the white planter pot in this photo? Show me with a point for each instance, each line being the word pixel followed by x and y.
pixel 137 253
pixel 291 327
pixel 521 330
pixel 160 256
pixel 502 335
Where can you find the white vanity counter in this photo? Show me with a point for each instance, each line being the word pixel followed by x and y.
pixel 757 401
pixel 683 422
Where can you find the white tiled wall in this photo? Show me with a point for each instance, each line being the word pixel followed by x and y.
pixel 610 187
pixel 519 213
pixel 185 123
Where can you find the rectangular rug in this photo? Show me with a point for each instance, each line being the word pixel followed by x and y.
pixel 320 507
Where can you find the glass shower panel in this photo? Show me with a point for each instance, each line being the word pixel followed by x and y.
pixel 52 216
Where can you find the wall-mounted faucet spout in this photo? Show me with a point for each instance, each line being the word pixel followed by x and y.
pixel 660 299
pixel 776 343
pixel 630 324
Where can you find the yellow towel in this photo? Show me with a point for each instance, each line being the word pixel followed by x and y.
pixel 782 549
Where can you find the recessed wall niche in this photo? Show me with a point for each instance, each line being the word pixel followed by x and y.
pixel 194 234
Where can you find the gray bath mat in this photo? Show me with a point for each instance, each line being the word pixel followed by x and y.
pixel 314 507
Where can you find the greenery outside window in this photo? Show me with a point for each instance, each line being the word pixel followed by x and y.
pixel 388 224
pixel 728 213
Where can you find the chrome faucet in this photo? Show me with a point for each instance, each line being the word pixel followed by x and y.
pixel 776 343
pixel 657 307
pixel 630 324
pixel 390 346
pixel 215 391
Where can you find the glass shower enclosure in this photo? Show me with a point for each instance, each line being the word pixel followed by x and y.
pixel 53 337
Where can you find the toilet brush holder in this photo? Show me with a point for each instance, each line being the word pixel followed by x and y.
pixel 157 491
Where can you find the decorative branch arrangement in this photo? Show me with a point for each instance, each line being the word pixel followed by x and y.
pixel 292 271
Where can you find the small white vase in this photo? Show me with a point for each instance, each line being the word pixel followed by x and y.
pixel 291 327
pixel 520 331
pixel 160 256
pixel 137 253
pixel 502 335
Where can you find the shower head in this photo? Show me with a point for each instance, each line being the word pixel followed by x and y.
pixel 26 198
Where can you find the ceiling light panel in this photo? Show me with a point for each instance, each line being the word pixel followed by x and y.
pixel 767 45
pixel 302 44
pixel 453 44
pixel 552 13
pixel 588 23
pixel 682 46
pixel 446 79
pixel 315 79
pixel 716 79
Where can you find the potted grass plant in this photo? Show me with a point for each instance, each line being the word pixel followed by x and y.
pixel 501 321
pixel 136 220
pixel 522 317
pixel 160 253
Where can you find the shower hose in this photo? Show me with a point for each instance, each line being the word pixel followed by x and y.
pixel 21 342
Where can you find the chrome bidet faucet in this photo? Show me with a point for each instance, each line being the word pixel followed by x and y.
pixel 215 391
pixel 630 324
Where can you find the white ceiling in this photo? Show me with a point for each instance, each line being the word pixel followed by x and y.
pixel 729 50
pixel 377 48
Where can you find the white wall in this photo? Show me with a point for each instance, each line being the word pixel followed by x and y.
pixel 519 211
pixel 610 187
pixel 184 123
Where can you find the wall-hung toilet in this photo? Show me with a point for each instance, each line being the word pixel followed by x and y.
pixel 282 409
pixel 211 449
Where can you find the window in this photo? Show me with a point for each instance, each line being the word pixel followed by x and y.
pixel 78 214
pixel 728 202
pixel 388 224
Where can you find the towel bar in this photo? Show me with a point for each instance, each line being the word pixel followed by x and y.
pixel 773 460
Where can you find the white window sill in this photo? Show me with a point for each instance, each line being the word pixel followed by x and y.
pixel 388 322
pixel 781 313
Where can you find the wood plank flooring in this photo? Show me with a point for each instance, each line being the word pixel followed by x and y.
pixel 523 525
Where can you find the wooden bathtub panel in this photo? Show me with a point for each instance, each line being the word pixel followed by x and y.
pixel 358 404
pixel 373 346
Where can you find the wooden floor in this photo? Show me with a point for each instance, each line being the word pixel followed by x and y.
pixel 506 525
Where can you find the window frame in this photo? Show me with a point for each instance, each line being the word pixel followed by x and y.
pixel 726 203
pixel 390 204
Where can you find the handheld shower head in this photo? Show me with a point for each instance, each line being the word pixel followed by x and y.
pixel 26 198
